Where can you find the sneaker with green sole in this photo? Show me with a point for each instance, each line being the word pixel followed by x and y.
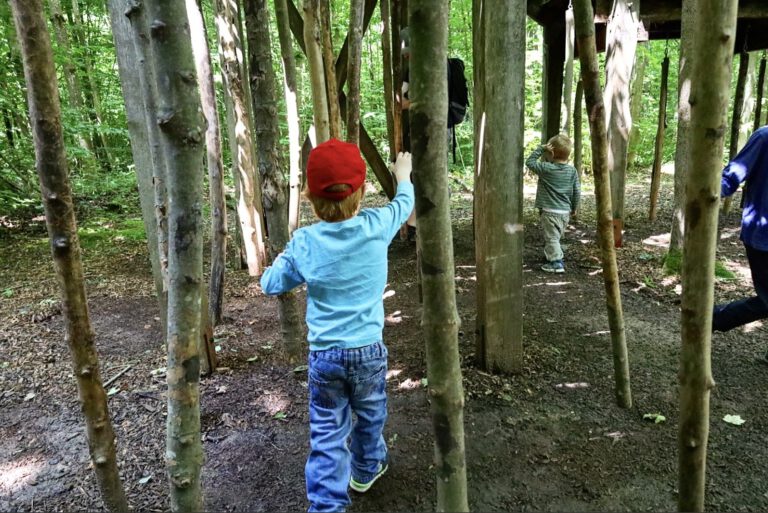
pixel 364 487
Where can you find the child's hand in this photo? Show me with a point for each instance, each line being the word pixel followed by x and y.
pixel 402 167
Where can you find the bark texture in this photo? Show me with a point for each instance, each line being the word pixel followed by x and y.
pixel 129 68
pixel 620 56
pixel 578 141
pixel 714 32
pixel 312 42
pixel 590 75
pixel 51 164
pixel 661 128
pixel 273 185
pixel 249 208
pixel 182 128
pixel 331 84
pixel 636 101
pixel 500 222
pixel 568 75
pixel 354 61
pixel 292 108
pixel 440 321
pixel 387 56
pixel 682 148
pixel 478 122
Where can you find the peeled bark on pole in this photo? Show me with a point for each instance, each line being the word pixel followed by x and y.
pixel 590 75
pixel 568 78
pixel 500 221
pixel 440 321
pixel 682 147
pixel 182 127
pixel 577 132
pixel 51 163
pixel 389 97
pixel 659 146
pixel 636 102
pixel 316 73
pixel 331 85
pixel 213 158
pixel 249 209
pixel 738 109
pixel 292 108
pixel 136 13
pixel 262 81
pixel 353 69
pixel 621 42
pixel 714 32
pixel 760 94
pixel 129 69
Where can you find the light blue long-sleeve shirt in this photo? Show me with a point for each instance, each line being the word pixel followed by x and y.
pixel 751 165
pixel 344 265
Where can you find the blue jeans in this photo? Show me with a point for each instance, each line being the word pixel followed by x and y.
pixel 342 381
pixel 744 311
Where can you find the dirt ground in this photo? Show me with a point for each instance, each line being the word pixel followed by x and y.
pixel 533 444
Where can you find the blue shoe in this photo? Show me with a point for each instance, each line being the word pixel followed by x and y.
pixel 555 266
pixel 362 487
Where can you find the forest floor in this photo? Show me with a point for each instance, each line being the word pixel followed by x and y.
pixel 548 439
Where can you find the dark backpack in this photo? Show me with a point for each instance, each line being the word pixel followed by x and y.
pixel 458 97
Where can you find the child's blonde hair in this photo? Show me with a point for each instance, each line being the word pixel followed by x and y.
pixel 334 211
pixel 561 146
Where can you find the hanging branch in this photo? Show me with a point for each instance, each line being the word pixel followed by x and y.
pixel 590 75
pixel 51 164
pixel 389 98
pixel 659 146
pixel 354 61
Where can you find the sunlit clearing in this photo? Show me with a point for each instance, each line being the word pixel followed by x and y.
pixel 16 474
pixel 729 233
pixel 742 271
pixel 393 373
pixel 585 241
pixel 557 283
pixel 394 318
pixel 273 402
pixel 668 168
pixel 753 326
pixel 595 272
pixel 596 334
pixel 660 241
pixel 389 293
pixel 465 267
pixel 410 384
pixel 466 278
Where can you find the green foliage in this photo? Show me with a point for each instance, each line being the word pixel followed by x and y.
pixel 673 264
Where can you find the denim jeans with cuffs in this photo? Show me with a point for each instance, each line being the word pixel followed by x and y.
pixel 343 381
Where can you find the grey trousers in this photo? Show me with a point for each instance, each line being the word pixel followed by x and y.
pixel 552 228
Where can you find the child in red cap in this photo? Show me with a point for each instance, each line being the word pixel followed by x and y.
pixel 343 261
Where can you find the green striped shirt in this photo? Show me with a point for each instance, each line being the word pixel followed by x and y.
pixel 558 188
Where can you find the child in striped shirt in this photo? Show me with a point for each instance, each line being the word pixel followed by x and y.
pixel 557 195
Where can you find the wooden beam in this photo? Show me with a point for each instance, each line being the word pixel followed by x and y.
pixel 666 10
pixel 552 93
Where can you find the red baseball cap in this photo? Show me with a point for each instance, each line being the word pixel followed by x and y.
pixel 335 162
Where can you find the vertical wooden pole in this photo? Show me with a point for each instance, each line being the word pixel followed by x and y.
pixel 331 84
pixel 552 90
pixel 738 109
pixel 354 62
pixel 389 97
pixel 760 94
pixel 658 155
pixel 568 79
pixel 577 131
pixel 478 120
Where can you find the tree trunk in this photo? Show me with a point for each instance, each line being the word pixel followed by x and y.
pixel 440 320
pixel 331 85
pixel 140 22
pixel 590 75
pixel 682 148
pixel 387 56
pixel 760 94
pixel 129 69
pixel 316 73
pixel 552 88
pixel 249 208
pixel 500 221
pixel 182 131
pixel 75 95
pixel 51 163
pixel 478 207
pixel 577 132
pixel 292 108
pixel 636 102
pixel 354 60
pixel 397 75
pixel 568 79
pixel 199 37
pixel 620 55
pixel 714 31
pixel 262 81
pixel 658 155
pixel 738 109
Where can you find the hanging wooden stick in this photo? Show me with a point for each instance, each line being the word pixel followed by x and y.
pixel 659 148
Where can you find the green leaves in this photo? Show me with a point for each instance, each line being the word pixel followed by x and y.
pixel 657 418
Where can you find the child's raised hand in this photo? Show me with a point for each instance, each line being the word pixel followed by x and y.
pixel 402 167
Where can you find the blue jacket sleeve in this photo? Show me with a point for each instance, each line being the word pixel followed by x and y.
pixel 282 275
pixel 742 165
pixel 398 210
